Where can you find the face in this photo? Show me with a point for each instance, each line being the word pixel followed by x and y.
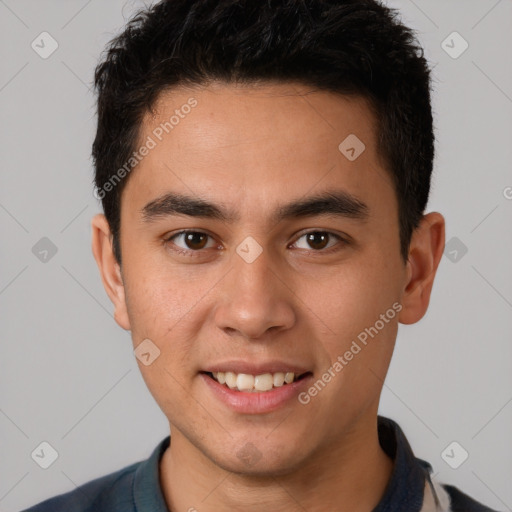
pixel 294 258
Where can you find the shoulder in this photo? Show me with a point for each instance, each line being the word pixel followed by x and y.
pixel 461 502
pixel 135 487
pixel 112 492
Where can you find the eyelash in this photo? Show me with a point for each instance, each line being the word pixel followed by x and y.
pixel 194 253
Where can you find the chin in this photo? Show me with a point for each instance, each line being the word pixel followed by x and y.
pixel 254 463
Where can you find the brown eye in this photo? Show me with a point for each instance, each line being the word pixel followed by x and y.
pixel 318 241
pixel 191 241
pixel 195 240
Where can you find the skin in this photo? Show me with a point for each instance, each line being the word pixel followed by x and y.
pixel 251 149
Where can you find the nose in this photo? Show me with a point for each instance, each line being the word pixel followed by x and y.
pixel 254 299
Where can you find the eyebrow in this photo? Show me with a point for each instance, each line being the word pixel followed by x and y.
pixel 337 203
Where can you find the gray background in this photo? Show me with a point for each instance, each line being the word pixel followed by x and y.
pixel 67 372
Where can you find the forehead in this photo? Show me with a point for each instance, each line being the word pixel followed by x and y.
pixel 228 115
pixel 258 141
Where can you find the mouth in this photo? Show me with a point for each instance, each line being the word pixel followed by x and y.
pixel 255 383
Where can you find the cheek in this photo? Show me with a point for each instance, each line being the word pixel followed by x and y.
pixel 168 308
pixel 157 297
pixel 356 311
pixel 166 384
pixel 350 298
pixel 159 309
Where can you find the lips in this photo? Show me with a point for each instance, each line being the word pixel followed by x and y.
pixel 256 402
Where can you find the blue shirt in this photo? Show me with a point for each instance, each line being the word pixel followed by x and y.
pixel 136 488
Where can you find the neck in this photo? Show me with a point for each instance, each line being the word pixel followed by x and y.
pixel 350 475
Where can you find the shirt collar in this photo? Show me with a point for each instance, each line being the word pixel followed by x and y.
pixel 406 486
pixel 147 493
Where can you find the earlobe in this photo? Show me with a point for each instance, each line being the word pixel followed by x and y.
pixel 425 252
pixel 109 268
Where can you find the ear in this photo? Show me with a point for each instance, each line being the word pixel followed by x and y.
pixel 425 252
pixel 110 269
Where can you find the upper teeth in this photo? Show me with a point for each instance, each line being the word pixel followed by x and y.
pixel 246 382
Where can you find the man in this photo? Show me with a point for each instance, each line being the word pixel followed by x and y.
pixel 264 169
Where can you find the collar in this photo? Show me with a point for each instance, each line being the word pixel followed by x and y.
pixel 406 487
pixel 147 494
